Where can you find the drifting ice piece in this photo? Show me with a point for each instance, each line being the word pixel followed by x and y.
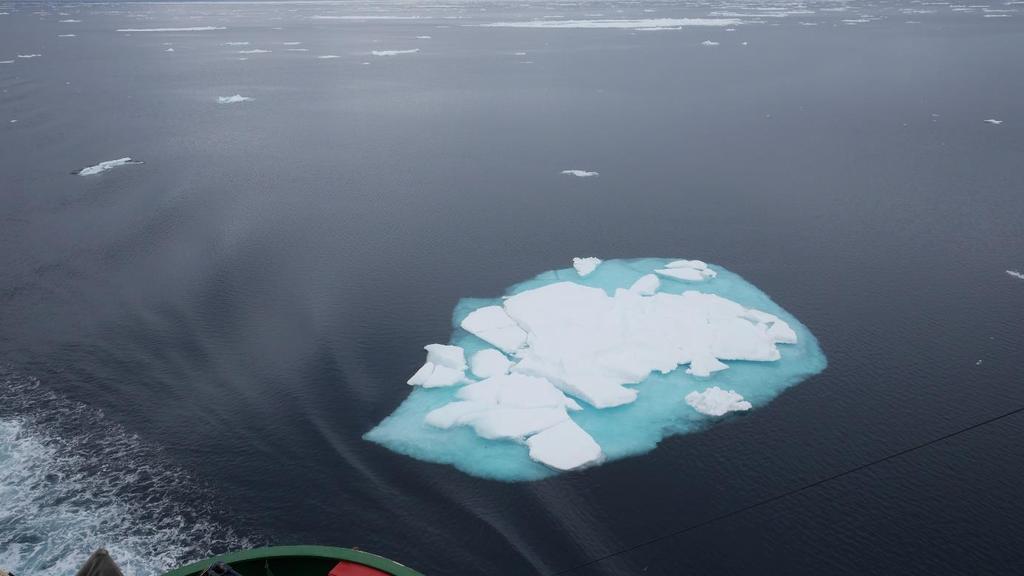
pixel 585 266
pixel 647 285
pixel 715 402
pixel 445 366
pixel 104 166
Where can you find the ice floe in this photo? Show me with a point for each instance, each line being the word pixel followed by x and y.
pixel 254 51
pixel 585 266
pixel 104 166
pixel 709 43
pixel 191 29
pixel 65 35
pixel 994 122
pixel 1016 274
pixel 29 55
pixel 233 99
pixel 716 402
pixel 641 24
pixel 569 370
pixel 394 52
pixel 328 57
pixel 423 37
pixel 6 61
pixel 580 173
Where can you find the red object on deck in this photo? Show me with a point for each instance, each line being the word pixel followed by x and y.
pixel 344 568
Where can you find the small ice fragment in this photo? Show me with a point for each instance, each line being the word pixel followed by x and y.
pixel 29 55
pixel 444 355
pixel 585 266
pixel 708 43
pixel 445 366
pixel 6 61
pixel 580 173
pixel 291 43
pixel 489 362
pixel 564 446
pixel 1016 274
pixel 233 99
pixel 394 52
pixel 69 21
pixel 520 54
pixel 169 50
pixel 639 24
pixel 296 49
pixel 254 51
pixel 104 166
pixel 328 57
pixel 65 35
pixel 424 37
pixel 235 44
pixel 994 122
pixel 647 285
pixel 715 402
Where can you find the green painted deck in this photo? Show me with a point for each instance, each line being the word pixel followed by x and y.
pixel 294 561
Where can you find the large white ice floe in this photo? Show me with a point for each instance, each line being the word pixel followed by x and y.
pixel 104 166
pixel 233 99
pixel 573 367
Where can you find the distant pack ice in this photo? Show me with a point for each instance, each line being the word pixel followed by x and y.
pixel 593 363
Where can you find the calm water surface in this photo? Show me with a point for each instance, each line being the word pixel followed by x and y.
pixel 207 335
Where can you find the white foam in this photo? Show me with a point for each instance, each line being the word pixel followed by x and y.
pixel 585 266
pixel 709 43
pixel 580 173
pixel 714 401
pixel 994 122
pixel 234 44
pixel 191 29
pixel 640 24
pixel 394 52
pixel 290 43
pixel 233 99
pixel 1016 274
pixel 104 166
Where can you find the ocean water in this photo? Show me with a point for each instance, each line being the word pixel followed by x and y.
pixel 193 347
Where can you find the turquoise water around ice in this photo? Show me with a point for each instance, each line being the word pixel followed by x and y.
pixel 623 431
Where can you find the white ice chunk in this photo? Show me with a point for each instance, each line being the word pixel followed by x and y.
pixel 715 402
pixel 489 362
pixel 709 43
pixel 1016 274
pixel 444 376
pixel 494 326
pixel 445 355
pixel 994 122
pixel 689 274
pixel 104 166
pixel 564 446
pixel 254 51
pixel 646 285
pixel 580 173
pixel 328 57
pixel 585 266
pixel 29 55
pixel 394 52
pixel 781 332
pixel 233 99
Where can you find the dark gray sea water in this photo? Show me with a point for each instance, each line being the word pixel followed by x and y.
pixel 193 347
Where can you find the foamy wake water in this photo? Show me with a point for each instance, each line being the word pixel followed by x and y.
pixel 72 481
